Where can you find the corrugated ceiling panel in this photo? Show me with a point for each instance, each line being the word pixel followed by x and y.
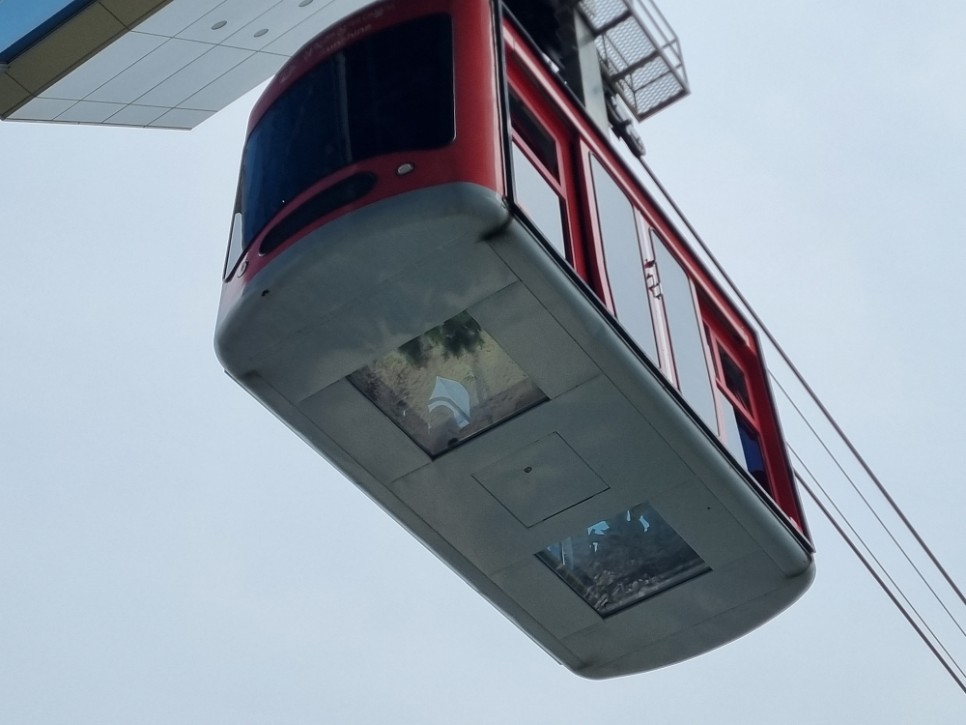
pixel 176 16
pixel 184 62
pixel 89 112
pixel 229 17
pixel 272 25
pixel 42 109
pixel 150 71
pixel 194 77
pixel 91 75
pixel 133 115
pixel 181 118
pixel 236 82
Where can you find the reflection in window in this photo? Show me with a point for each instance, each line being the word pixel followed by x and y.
pixel 734 378
pixel 539 200
pixel 448 384
pixel 742 442
pixel 533 134
pixel 390 91
pixel 624 559
pixel 622 254
pixel 690 361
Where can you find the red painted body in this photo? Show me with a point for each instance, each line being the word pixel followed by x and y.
pixel 474 156
pixel 578 137
pixel 477 156
pixel 623 388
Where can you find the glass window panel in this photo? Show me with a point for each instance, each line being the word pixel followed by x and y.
pixel 714 360
pixel 741 440
pixel 539 141
pixel 732 436
pixel 690 360
pixel 734 378
pixel 754 460
pixel 447 385
pixel 539 200
pixel 623 560
pixel 622 255
pixel 235 246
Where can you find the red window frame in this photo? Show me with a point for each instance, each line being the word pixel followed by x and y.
pixel 545 103
pixel 719 322
pixel 759 413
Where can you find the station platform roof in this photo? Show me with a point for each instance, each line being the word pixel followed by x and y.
pixel 147 63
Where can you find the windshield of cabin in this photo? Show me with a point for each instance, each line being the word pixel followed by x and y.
pixel 389 92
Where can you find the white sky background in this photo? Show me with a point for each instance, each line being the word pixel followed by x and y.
pixel 170 553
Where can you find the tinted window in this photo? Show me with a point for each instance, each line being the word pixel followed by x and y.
pixel 690 361
pixel 742 441
pixel 539 200
pixel 734 379
pixel 392 91
pixel 539 141
pixel 754 460
pixel 622 255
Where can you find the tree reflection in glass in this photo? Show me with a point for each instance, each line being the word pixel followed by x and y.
pixel 624 559
pixel 450 383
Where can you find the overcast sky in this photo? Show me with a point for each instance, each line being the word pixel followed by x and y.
pixel 170 553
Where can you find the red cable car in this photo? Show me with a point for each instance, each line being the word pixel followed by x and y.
pixel 443 277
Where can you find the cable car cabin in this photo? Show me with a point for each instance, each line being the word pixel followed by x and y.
pixel 443 278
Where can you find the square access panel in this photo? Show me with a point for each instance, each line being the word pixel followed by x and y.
pixel 540 480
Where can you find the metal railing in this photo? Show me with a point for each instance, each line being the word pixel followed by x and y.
pixel 640 56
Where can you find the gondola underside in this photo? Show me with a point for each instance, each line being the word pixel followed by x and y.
pixel 606 435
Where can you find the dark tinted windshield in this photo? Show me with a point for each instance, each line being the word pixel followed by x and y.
pixel 390 92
